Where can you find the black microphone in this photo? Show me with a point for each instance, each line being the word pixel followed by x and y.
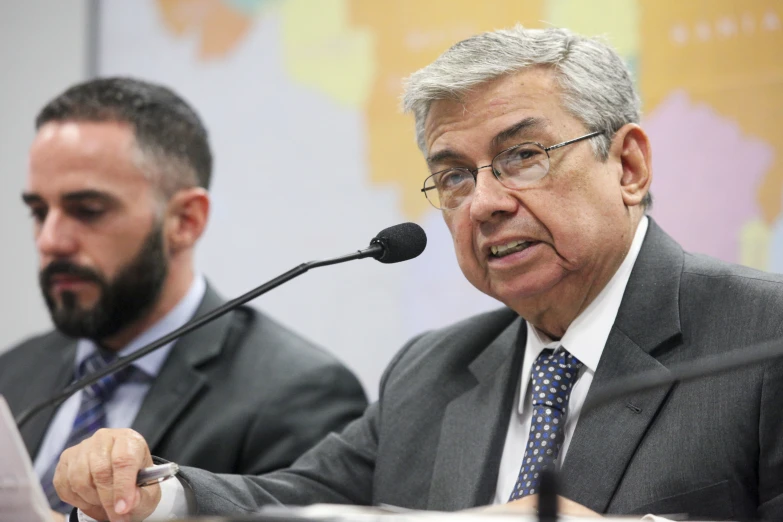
pixel 400 242
pixel 682 372
pixel 392 245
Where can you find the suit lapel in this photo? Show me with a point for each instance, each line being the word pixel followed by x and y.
pixel 180 381
pixel 50 378
pixel 647 322
pixel 606 438
pixel 474 426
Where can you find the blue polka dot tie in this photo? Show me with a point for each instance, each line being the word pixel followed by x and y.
pixel 552 379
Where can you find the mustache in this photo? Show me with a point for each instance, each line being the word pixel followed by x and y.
pixel 67 268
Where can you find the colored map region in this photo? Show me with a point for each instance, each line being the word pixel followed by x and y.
pixel 219 25
pixel 725 56
pixel 709 73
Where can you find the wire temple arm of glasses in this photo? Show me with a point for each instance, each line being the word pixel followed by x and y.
pixel 425 189
pixel 569 142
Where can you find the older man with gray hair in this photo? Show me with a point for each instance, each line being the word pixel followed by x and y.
pixel 542 173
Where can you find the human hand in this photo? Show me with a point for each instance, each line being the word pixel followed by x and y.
pixel 529 505
pixel 98 476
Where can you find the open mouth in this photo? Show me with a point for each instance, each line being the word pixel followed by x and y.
pixel 511 247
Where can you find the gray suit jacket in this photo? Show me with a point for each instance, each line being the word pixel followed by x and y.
pixel 242 394
pixel 711 448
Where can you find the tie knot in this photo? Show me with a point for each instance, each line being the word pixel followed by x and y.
pixel 561 359
pixel 106 386
pixel 553 376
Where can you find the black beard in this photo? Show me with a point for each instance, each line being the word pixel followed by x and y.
pixel 122 301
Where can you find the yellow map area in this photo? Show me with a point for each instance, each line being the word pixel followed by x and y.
pixel 410 34
pixel 323 49
pixel 725 53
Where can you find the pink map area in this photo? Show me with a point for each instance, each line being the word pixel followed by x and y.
pixel 706 175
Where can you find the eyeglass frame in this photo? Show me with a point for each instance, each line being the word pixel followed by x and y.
pixel 474 172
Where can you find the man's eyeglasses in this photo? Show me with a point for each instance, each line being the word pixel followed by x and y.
pixel 515 168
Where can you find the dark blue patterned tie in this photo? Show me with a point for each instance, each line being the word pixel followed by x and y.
pixel 552 379
pixel 91 416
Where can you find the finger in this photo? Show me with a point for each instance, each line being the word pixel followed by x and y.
pixel 80 475
pixel 149 498
pixel 60 480
pixel 101 471
pixel 569 507
pixel 65 474
pixel 528 502
pixel 129 454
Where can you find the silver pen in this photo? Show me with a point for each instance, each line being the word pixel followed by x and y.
pixel 156 474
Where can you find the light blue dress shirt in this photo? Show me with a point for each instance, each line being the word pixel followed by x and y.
pixel 121 410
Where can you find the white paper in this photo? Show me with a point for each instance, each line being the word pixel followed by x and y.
pixel 21 495
pixel 393 514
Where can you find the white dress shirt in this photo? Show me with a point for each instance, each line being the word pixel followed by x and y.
pixel 584 339
pixel 122 408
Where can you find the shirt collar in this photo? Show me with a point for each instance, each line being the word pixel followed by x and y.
pixel 151 363
pixel 586 336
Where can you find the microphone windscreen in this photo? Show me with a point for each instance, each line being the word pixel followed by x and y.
pixel 400 242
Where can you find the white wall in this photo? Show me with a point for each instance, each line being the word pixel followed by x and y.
pixel 43 49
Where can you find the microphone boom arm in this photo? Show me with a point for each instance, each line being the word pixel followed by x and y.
pixel 688 371
pixel 374 250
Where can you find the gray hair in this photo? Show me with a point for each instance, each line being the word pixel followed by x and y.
pixel 596 86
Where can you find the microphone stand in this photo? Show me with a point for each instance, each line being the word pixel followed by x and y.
pixel 547 496
pixel 375 250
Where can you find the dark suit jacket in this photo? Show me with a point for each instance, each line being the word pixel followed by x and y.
pixel 242 394
pixel 711 448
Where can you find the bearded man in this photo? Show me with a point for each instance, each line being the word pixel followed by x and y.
pixel 117 189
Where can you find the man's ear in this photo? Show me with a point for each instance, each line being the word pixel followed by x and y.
pixel 632 147
pixel 186 218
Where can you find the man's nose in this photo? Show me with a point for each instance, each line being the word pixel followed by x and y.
pixel 55 237
pixel 490 198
